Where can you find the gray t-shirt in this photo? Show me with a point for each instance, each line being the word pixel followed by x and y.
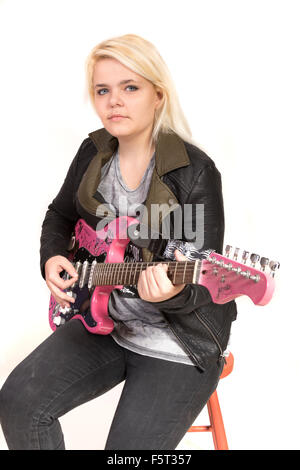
pixel 139 325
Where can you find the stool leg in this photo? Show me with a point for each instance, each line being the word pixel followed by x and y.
pixel 216 421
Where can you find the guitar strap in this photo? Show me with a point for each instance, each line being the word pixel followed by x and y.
pixel 163 248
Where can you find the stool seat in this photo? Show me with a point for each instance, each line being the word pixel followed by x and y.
pixel 228 366
pixel 216 426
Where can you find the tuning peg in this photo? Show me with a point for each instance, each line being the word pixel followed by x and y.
pixel 228 250
pixel 274 265
pixel 236 252
pixel 245 256
pixel 264 262
pixel 254 259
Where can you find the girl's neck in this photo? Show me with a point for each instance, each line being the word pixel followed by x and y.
pixel 139 151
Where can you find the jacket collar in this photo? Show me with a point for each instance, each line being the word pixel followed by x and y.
pixel 170 152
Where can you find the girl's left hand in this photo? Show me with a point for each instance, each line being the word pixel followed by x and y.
pixel 154 284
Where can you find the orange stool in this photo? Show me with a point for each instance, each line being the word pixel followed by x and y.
pixel 216 426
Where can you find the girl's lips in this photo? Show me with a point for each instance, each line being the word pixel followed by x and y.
pixel 117 118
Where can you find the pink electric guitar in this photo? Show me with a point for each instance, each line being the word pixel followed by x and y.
pixel 98 258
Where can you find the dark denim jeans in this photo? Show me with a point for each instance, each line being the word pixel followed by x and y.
pixel 159 402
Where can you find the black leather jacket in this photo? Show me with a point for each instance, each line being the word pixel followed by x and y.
pixel 183 174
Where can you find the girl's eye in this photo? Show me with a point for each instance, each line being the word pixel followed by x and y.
pixel 128 86
pixel 132 86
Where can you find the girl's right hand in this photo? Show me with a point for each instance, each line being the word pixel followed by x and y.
pixel 55 283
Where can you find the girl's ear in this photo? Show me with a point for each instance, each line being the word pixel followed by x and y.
pixel 159 97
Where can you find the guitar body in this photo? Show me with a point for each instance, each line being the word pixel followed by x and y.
pixel 91 305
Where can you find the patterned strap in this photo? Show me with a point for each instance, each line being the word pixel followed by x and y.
pixel 188 249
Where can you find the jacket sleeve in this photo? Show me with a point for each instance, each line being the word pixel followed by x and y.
pixel 206 190
pixel 60 218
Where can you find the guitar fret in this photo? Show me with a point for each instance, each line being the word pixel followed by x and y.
pixel 126 274
pixel 131 274
pixel 135 280
pixel 95 275
pixel 102 274
pixel 184 272
pixel 109 266
pixel 124 270
pixel 119 276
pixel 105 271
pixel 110 273
pixel 101 277
pixel 175 272
pixel 115 276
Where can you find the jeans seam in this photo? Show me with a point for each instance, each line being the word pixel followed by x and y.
pixel 37 420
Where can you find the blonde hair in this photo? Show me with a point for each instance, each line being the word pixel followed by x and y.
pixel 142 57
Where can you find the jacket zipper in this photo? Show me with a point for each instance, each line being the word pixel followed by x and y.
pixel 222 356
pixel 184 345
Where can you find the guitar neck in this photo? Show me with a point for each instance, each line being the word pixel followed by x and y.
pixel 179 272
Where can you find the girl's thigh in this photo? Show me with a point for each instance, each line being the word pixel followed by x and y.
pixel 69 368
pixel 159 402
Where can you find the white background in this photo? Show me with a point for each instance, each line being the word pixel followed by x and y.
pixel 236 68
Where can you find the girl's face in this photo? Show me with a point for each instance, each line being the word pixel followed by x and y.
pixel 119 90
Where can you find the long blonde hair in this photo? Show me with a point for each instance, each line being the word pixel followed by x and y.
pixel 143 58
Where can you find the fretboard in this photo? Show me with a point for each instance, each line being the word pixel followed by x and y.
pixel 179 272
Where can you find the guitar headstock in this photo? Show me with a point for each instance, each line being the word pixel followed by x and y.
pixel 226 278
